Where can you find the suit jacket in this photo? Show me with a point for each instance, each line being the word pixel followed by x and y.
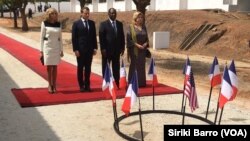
pixel 109 40
pixel 83 39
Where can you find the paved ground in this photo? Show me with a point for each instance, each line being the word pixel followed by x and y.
pixel 58 122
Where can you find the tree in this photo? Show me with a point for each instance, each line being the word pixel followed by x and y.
pixel 58 5
pixel 20 5
pixel 12 6
pixel 83 2
pixel 141 5
pixel 1 8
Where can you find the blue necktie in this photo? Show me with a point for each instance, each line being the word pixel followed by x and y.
pixel 114 26
pixel 86 24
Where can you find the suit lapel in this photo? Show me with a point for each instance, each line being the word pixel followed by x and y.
pixel 83 26
pixel 111 27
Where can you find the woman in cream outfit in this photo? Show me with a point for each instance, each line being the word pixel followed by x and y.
pixel 51 46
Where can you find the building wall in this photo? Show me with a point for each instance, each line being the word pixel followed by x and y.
pixel 243 5
pixel 102 7
pixel 183 4
pixel 167 4
pixel 120 6
pixel 209 4
pixel 64 6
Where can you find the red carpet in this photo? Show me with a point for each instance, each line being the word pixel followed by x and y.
pixel 68 91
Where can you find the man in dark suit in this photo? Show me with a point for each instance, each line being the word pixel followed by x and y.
pixel 112 42
pixel 84 46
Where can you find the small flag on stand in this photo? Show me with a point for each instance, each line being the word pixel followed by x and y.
pixel 131 95
pixel 152 73
pixel 190 91
pixel 112 88
pixel 109 83
pixel 123 74
pixel 226 89
pixel 214 73
pixel 106 79
pixel 234 79
pixel 186 70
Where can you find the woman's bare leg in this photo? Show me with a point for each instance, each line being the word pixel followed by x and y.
pixel 54 73
pixel 49 73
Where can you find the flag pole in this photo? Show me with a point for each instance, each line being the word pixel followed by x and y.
pixel 115 113
pixel 182 105
pixel 114 110
pixel 184 110
pixel 217 109
pixel 221 115
pixel 153 97
pixel 142 137
pixel 184 72
pixel 208 103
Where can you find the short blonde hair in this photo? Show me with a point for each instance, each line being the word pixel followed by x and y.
pixel 136 15
pixel 48 12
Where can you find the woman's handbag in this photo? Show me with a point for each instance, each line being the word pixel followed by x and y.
pixel 42 60
pixel 148 53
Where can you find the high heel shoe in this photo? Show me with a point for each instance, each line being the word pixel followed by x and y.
pixel 50 89
pixel 54 89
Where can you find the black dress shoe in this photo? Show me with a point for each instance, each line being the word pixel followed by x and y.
pixel 82 89
pixel 87 89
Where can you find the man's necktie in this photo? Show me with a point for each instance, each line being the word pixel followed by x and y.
pixel 114 26
pixel 86 24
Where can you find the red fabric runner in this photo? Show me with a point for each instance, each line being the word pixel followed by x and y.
pixel 68 91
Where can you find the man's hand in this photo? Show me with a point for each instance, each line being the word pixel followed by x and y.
pixel 95 51
pixel 122 52
pixel 61 54
pixel 103 51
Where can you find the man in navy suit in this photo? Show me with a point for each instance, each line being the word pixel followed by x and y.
pixel 112 42
pixel 84 46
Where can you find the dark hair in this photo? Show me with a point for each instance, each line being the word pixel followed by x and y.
pixel 84 8
pixel 111 9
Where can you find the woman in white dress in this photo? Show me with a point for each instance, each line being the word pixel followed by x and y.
pixel 51 46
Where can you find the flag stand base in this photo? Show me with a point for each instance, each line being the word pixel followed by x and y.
pixel 123 135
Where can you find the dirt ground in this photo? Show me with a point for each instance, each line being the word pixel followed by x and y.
pixel 234 44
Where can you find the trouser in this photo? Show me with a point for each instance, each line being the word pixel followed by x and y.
pixel 84 66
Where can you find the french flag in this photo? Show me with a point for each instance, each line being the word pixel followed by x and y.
pixel 214 73
pixel 106 79
pixel 152 73
pixel 123 74
pixel 112 87
pixel 226 89
pixel 131 95
pixel 187 70
pixel 233 78
pixel 108 84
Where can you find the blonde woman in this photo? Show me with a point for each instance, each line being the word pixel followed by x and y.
pixel 137 44
pixel 51 46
